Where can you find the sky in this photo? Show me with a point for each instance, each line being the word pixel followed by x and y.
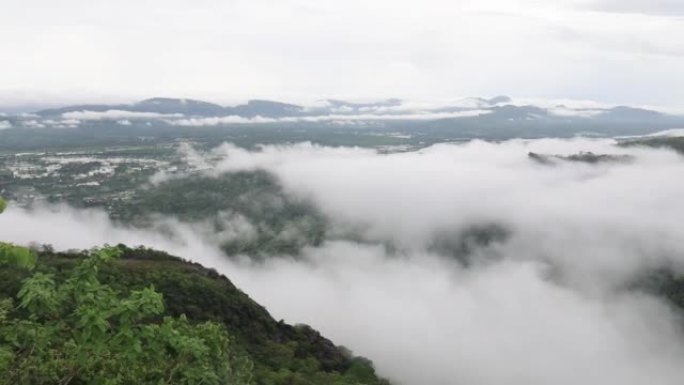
pixel 227 51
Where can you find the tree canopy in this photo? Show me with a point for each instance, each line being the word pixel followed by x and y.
pixel 81 331
pixel 117 315
pixel 15 255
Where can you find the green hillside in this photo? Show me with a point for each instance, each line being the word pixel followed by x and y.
pixel 281 353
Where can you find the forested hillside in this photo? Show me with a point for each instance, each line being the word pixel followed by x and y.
pixel 273 352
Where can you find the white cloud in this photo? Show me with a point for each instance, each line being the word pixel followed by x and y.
pixel 218 120
pixel 547 305
pixel 299 49
pixel 33 123
pixel 5 124
pixel 571 112
pixel 407 198
pixel 116 115
pixel 674 132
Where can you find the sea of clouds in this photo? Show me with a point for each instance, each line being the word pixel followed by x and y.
pixel 551 301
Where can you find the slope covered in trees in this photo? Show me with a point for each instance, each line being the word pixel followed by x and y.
pixel 674 143
pixel 198 302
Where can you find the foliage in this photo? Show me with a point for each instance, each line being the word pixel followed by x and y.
pixel 15 255
pixel 82 331
pixel 281 354
pixel 92 318
pixel 583 157
pixel 278 224
pixel 674 143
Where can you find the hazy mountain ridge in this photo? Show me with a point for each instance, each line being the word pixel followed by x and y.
pixel 186 107
pixel 502 107
pixel 390 122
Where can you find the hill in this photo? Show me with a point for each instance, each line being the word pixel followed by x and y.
pixel 282 353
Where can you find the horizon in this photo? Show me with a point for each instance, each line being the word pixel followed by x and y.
pixel 32 107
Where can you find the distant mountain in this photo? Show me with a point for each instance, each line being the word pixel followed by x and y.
pixel 186 107
pixel 264 108
pixel 510 112
pixel 498 117
pixel 501 99
pixel 56 112
pixel 630 113
pixel 335 103
pixel 497 108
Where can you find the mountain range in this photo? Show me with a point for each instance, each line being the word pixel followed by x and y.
pixel 499 117
pixel 501 107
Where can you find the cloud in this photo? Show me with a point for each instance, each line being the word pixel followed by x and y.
pixel 229 51
pixel 545 303
pixel 33 123
pixel 657 7
pixel 214 121
pixel 406 198
pixel 581 113
pixel 426 321
pixel 218 120
pixel 674 132
pixel 5 124
pixel 116 115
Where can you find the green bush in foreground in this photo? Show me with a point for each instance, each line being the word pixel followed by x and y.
pixel 97 317
pixel 81 331
pixel 15 255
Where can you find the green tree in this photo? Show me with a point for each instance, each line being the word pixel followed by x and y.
pixel 15 255
pixel 81 331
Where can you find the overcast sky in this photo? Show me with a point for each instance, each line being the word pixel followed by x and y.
pixel 615 51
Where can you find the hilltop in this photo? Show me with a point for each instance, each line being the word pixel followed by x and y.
pixel 282 353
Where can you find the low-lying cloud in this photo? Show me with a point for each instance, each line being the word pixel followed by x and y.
pixel 116 115
pixel 334 118
pixel 546 303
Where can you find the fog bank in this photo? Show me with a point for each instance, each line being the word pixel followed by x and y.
pixel 545 302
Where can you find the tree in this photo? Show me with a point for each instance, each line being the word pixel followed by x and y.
pixel 15 255
pixel 81 331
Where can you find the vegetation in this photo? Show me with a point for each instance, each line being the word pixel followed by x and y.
pixel 121 315
pixel 117 181
pixel 15 255
pixel 80 331
pixel 276 223
pixel 583 157
pixel 674 143
pixel 76 330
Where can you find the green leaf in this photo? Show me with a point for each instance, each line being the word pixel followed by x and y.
pixel 16 256
pixel 80 330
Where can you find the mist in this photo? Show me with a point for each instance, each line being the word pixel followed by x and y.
pixel 550 299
